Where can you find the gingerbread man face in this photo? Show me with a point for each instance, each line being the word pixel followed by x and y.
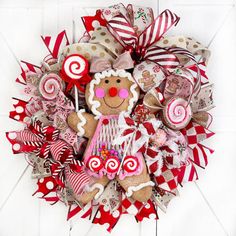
pixel 111 92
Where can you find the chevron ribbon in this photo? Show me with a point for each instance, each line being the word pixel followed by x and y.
pixel 27 67
pixel 56 44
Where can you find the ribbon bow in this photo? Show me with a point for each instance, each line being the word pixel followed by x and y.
pixel 136 133
pixel 123 61
pixel 44 142
pixel 120 23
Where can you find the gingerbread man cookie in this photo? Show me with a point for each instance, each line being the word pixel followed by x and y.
pixel 147 79
pixel 107 95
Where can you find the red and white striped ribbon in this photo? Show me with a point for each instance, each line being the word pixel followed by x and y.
pixel 202 69
pixel 27 67
pixel 159 27
pixel 56 44
pixel 162 57
pixel 77 181
pixel 200 155
pixel 121 28
pixel 187 173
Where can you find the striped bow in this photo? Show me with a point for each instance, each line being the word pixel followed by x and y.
pixel 142 45
pixel 44 142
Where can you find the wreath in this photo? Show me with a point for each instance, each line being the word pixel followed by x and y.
pixel 115 122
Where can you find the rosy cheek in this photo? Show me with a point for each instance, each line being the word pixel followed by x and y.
pixel 99 92
pixel 123 93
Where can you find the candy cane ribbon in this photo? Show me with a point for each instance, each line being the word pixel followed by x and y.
pixel 44 142
pixel 56 44
pixel 141 45
pixel 139 133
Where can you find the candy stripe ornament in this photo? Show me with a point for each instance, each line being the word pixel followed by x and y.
pixel 50 85
pixel 112 164
pixel 130 164
pixel 94 163
pixel 138 135
pixel 177 113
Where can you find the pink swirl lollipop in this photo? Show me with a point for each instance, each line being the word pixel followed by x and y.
pixel 49 86
pixel 112 164
pixel 177 113
pixel 130 164
pixel 94 163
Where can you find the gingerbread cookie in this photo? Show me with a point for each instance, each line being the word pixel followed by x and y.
pixel 108 94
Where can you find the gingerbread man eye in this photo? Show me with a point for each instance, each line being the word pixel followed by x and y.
pixel 107 81
pixel 118 81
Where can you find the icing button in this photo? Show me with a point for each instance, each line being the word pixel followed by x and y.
pixel 105 121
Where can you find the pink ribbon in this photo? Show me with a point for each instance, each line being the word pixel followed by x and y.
pixel 124 61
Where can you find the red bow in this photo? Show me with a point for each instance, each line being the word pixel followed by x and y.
pixel 44 142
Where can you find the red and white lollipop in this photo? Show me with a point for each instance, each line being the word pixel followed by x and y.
pixel 130 164
pixel 177 113
pixel 112 164
pixel 94 163
pixel 75 69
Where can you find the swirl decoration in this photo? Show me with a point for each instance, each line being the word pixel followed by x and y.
pixel 112 164
pixel 49 86
pixel 94 163
pixel 177 113
pixel 130 164
pixel 75 69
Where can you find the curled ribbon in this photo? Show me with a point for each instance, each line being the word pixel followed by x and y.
pixel 139 133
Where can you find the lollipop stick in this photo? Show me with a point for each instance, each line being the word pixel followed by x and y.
pixel 76 100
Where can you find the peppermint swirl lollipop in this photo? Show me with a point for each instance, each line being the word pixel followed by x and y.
pixel 49 86
pixel 112 164
pixel 94 163
pixel 74 67
pixel 177 113
pixel 130 164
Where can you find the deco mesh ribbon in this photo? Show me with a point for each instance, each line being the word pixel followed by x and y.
pixel 167 126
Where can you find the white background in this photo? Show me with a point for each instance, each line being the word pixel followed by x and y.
pixel 206 208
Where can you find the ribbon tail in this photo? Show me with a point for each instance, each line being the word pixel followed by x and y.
pixel 157 29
